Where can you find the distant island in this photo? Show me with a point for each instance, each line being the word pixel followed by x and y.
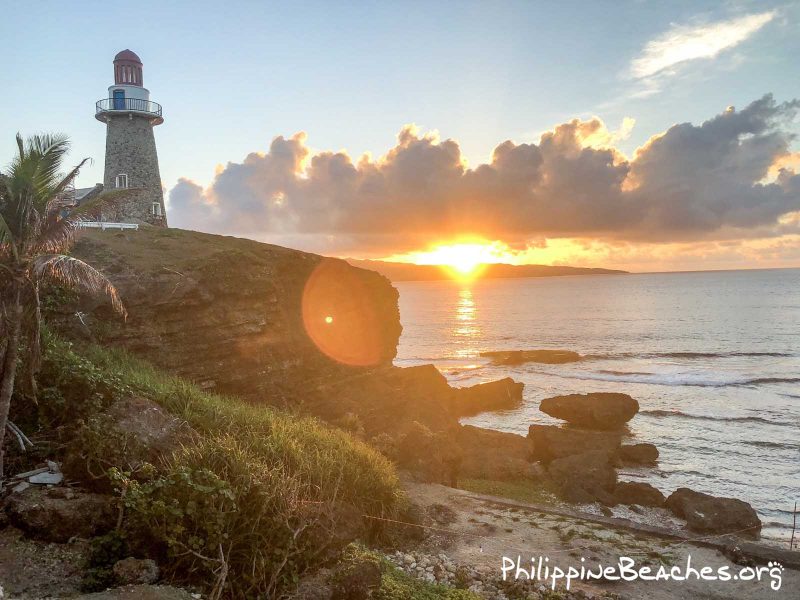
pixel 396 271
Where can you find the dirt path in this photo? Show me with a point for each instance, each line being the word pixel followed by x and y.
pixel 480 530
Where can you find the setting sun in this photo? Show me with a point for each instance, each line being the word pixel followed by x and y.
pixel 463 260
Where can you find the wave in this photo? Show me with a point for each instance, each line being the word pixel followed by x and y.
pixel 761 380
pixel 767 444
pixel 677 413
pixel 670 379
pixel 687 355
pixel 623 373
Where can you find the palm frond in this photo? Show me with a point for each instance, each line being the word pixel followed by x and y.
pixel 76 274
pixel 56 237
pixel 33 180
pixel 50 151
pixel 68 178
pixel 7 238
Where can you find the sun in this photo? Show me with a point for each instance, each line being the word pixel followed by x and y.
pixel 465 262
pixel 462 260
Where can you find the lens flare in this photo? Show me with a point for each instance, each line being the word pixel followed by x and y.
pixel 341 316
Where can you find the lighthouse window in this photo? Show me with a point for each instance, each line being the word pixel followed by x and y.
pixel 156 210
pixel 122 180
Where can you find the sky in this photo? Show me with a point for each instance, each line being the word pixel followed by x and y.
pixel 630 134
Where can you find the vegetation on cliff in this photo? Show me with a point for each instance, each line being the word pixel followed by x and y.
pixel 34 238
pixel 251 499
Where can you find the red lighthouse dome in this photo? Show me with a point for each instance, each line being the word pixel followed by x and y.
pixel 127 68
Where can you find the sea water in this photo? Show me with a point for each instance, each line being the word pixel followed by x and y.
pixel 712 357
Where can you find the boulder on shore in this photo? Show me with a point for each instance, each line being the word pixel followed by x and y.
pixel 704 512
pixel 639 454
pixel 494 395
pixel 58 514
pixel 585 478
pixel 136 571
pixel 635 492
pixel 491 454
pixel 552 442
pixel 519 357
pixel 599 410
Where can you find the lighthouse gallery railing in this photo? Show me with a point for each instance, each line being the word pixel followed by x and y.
pixel 132 104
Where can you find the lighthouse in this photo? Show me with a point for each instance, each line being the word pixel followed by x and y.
pixel 131 157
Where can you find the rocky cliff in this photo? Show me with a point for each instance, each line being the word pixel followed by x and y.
pixel 285 328
pixel 243 317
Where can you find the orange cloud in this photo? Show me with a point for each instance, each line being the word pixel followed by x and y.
pixel 707 182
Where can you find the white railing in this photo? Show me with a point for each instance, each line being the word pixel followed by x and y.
pixel 103 225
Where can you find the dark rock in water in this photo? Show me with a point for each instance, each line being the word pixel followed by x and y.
pixel 491 454
pixel 53 516
pixel 494 395
pixel 599 410
pixel 639 454
pixel 704 512
pixel 134 571
pixel 551 442
pixel 519 357
pixel 584 478
pixel 634 492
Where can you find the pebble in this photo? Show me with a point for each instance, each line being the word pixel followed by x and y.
pixel 489 586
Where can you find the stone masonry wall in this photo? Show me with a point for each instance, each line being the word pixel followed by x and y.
pixel 131 149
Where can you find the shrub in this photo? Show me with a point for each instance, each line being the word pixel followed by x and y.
pixel 257 497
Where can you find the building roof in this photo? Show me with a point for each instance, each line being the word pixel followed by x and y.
pixel 127 55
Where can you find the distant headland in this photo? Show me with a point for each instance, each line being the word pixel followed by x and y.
pixel 396 271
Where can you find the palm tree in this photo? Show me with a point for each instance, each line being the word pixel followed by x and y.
pixel 34 238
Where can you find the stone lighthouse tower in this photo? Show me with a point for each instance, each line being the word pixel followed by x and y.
pixel 131 158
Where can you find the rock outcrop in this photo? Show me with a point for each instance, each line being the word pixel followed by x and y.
pixel 638 454
pixel 59 514
pixel 261 321
pixel 136 571
pixel 584 478
pixel 490 454
pixel 268 324
pixel 552 442
pixel 502 394
pixel 519 357
pixel 707 513
pixel 635 492
pixel 599 410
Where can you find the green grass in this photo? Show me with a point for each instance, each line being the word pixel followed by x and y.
pixel 328 459
pixel 523 491
pixel 249 479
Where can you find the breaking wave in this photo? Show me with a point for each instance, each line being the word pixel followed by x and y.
pixel 677 413
pixel 686 355
pixel 672 379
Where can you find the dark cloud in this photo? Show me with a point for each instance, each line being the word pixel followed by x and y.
pixel 691 182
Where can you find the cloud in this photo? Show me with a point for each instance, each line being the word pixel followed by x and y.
pixel 692 182
pixel 682 44
pixel 685 43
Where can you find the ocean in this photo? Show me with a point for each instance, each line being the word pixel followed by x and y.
pixel 712 357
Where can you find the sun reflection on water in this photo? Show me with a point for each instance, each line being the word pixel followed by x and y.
pixel 465 327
